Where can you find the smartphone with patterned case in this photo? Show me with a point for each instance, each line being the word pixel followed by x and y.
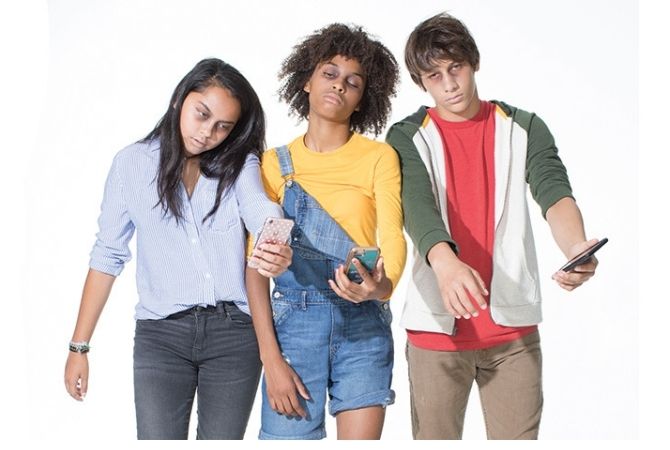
pixel 275 231
pixel 367 256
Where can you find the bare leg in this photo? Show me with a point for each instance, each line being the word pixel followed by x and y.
pixel 364 423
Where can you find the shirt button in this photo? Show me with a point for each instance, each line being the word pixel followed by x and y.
pixel 276 295
pixel 208 275
pixel 386 306
pixel 194 240
pixel 289 183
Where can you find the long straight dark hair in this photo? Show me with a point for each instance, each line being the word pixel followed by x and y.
pixel 223 162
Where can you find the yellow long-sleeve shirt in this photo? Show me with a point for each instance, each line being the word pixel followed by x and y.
pixel 358 184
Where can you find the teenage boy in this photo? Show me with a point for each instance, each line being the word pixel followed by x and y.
pixel 473 301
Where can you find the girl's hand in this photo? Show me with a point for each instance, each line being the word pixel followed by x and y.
pixel 76 375
pixel 375 285
pixel 272 259
pixel 283 386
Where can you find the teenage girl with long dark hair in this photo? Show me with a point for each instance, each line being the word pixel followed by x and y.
pixel 189 190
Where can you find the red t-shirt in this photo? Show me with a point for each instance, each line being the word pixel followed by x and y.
pixel 469 161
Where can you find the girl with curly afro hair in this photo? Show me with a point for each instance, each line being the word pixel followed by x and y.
pixel 326 333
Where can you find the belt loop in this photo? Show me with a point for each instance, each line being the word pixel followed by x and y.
pixel 221 309
pixel 303 294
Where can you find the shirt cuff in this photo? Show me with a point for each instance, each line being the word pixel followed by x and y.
pixel 109 269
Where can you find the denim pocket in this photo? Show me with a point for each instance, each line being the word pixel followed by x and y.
pixel 381 311
pixel 280 312
pixel 238 317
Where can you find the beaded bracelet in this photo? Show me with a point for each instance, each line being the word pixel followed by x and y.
pixel 79 347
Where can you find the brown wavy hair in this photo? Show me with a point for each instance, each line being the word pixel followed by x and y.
pixel 352 42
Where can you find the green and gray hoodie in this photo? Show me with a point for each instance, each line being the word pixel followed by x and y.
pixel 525 156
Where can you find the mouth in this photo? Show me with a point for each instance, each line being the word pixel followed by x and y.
pixel 455 99
pixel 198 143
pixel 333 98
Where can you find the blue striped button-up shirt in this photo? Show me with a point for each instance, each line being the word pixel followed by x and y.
pixel 179 265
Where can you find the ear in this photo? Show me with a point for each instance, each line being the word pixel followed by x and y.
pixel 307 87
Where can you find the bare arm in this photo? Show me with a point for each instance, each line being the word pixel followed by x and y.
pixel 567 227
pixel 97 287
pixel 283 384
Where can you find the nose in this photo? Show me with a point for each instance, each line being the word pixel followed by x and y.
pixel 206 130
pixel 338 85
pixel 450 84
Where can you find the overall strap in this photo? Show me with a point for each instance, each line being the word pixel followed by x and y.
pixel 285 162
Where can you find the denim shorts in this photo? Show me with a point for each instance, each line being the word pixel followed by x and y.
pixel 340 350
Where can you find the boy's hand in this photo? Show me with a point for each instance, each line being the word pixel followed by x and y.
pixel 581 273
pixel 283 385
pixel 375 285
pixel 459 283
pixel 272 259
pixel 76 375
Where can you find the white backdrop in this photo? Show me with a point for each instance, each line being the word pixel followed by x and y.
pixel 99 76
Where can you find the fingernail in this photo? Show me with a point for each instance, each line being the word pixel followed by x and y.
pixel 484 306
pixel 467 316
pixel 475 314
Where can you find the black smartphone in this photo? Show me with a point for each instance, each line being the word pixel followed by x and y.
pixel 584 256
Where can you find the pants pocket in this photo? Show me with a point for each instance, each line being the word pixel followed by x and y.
pixel 280 312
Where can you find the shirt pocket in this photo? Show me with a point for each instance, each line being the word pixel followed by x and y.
pixel 227 216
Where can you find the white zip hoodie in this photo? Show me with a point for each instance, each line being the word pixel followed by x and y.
pixel 522 142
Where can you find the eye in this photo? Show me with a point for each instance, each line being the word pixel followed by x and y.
pixel 354 83
pixel 433 76
pixel 456 67
pixel 223 126
pixel 201 114
pixel 328 74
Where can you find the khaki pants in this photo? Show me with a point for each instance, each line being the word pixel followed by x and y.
pixel 509 377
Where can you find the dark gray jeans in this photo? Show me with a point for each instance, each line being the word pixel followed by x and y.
pixel 212 351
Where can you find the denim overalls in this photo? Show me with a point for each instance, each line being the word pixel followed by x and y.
pixel 338 348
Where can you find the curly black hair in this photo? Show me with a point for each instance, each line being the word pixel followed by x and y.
pixel 379 66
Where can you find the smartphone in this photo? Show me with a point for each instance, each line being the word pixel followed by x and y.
pixel 275 231
pixel 583 257
pixel 367 256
